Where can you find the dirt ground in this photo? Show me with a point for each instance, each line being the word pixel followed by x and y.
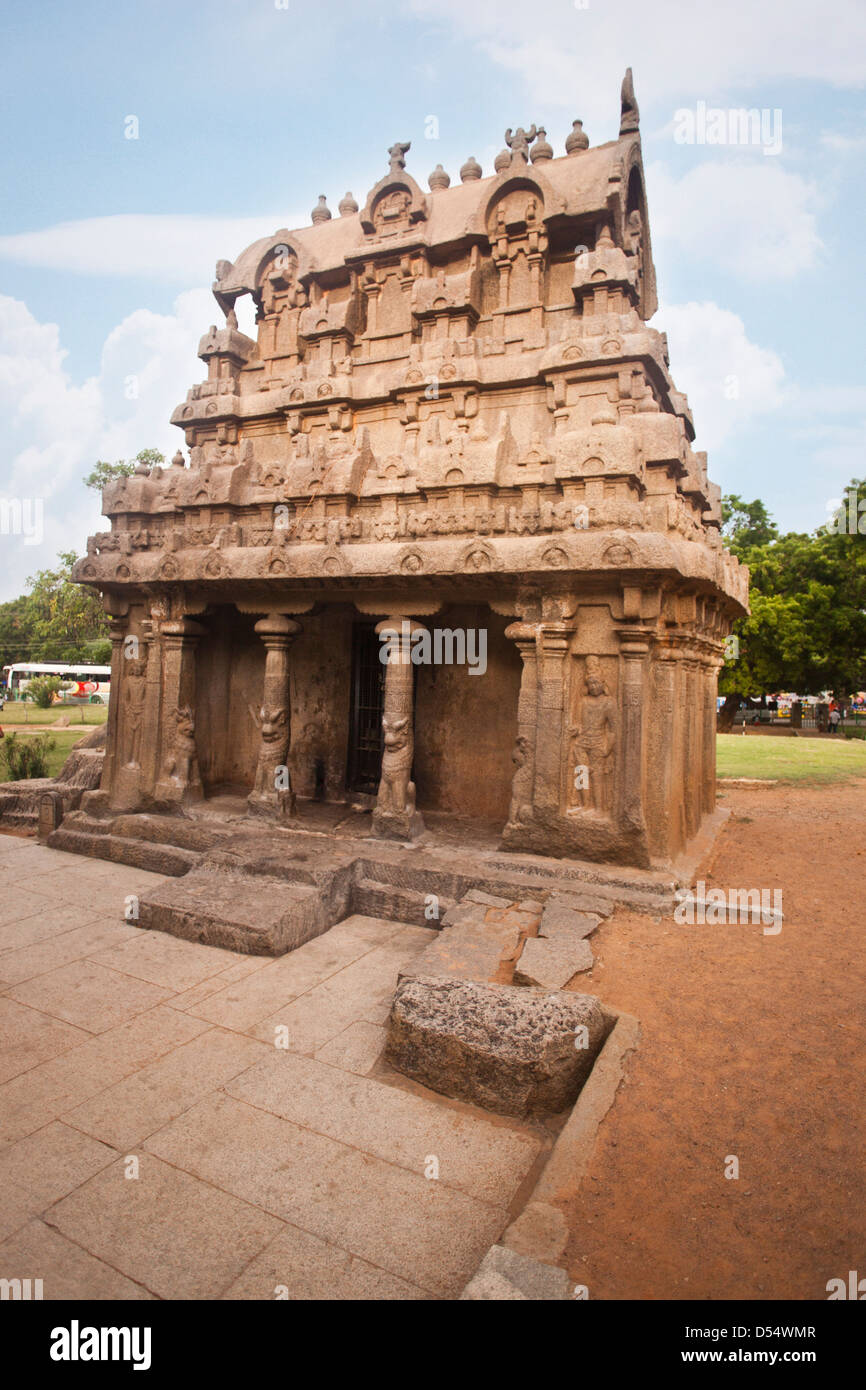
pixel 752 1046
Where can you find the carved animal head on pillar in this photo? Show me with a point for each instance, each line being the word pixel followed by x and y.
pixel 273 722
pixel 396 732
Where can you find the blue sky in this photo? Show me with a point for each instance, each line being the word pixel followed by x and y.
pixel 247 110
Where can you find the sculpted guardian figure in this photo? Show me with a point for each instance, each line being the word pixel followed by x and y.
pixel 593 742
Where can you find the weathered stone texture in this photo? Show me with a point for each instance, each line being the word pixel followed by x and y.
pixel 454 419
pixel 507 1049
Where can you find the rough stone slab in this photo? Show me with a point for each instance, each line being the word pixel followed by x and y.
pixel 256 915
pixel 551 962
pixel 471 951
pixel 505 1275
pixel 565 914
pixel 508 1049
pixel 475 895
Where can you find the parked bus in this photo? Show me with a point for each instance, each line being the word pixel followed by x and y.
pixel 85 684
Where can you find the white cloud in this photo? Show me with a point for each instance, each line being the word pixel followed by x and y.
pixel 52 430
pixel 728 379
pixel 752 219
pixel 170 248
pixel 573 55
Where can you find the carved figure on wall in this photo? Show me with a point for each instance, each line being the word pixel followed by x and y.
pixel 181 764
pixel 132 692
pixel 593 744
pixel 521 785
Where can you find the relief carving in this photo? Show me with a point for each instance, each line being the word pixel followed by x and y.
pixel 593 741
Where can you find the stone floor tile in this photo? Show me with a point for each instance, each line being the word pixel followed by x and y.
pixel 38 959
pixel 419 1230
pixel 46 1091
pixel 300 1266
pixel 43 1167
pixel 35 1251
pixel 177 1236
pixel 245 1003
pixel 88 995
pixel 127 1112
pixel 356 1049
pixel 473 1154
pixel 28 1037
pixel 166 960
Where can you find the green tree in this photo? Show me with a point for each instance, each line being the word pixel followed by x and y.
pixel 123 468
pixel 807 628
pixel 746 524
pixel 63 617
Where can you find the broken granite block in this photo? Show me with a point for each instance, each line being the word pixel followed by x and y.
pixel 513 1050
pixel 564 915
pixel 552 961
pixel 470 951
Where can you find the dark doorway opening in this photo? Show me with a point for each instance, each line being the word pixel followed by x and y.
pixel 365 715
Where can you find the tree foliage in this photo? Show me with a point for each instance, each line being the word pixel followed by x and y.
pixel 807 628
pixel 26 756
pixel 42 689
pixel 56 620
pixel 123 468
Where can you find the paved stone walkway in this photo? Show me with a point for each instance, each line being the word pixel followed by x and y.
pixel 181 1121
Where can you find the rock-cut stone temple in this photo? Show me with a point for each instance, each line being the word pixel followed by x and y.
pixel 453 441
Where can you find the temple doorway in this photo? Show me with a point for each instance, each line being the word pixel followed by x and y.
pixel 365 711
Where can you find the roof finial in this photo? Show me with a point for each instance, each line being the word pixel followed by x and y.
pixel 630 115
pixel 438 179
pixel 321 212
pixel 397 154
pixel 520 141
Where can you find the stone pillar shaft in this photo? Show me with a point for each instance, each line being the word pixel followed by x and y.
pixel 634 648
pixel 395 816
pixel 550 760
pixel 272 793
pixel 179 778
pixel 523 757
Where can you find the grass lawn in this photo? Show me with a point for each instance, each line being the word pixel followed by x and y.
pixel 64 739
pixel 813 760
pixel 24 712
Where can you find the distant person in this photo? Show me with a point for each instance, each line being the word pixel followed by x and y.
pixel 835 719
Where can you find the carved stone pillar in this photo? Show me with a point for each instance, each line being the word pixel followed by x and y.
pixel 634 648
pixel 523 757
pixel 693 741
pixel 395 816
pixel 179 778
pixel 272 793
pixel 550 763
pixel 711 669
pixel 663 751
pixel 117 632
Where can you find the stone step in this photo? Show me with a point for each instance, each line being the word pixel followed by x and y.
pixel 255 914
pixel 139 854
pixel 375 899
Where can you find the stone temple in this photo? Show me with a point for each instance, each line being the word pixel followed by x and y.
pixel 455 440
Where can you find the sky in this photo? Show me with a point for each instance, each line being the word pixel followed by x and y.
pixel 143 141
